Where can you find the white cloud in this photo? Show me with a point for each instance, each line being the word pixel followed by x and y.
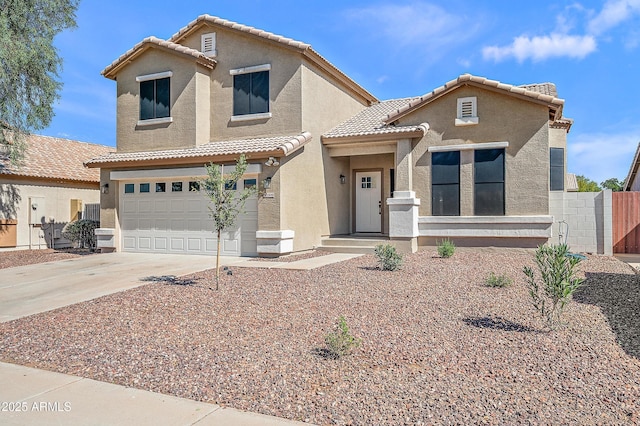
pixel 600 156
pixel 542 47
pixel 613 13
pixel 416 23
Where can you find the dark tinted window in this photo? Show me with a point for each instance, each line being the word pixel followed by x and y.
pixel 129 188
pixel 251 93
pixel 556 162
pixel 194 186
pixel 154 99
pixel 161 187
pixel 176 186
pixel 488 172
pixel 445 183
pixel 144 187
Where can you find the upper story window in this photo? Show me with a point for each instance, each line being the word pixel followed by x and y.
pixel 467 113
pixel 251 93
pixel 155 97
pixel 208 47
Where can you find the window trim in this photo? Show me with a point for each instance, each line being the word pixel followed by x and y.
pixel 251 69
pixel 469 146
pixel 462 120
pixel 155 76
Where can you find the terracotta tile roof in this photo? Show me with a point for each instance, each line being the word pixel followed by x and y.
pixel 110 71
pixel 553 102
pixel 54 158
pixel 544 88
pixel 285 144
pixel 370 121
pixel 236 26
pixel 303 48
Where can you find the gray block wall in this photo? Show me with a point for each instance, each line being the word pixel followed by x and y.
pixel 583 220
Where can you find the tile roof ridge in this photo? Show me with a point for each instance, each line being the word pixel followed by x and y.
pixel 240 27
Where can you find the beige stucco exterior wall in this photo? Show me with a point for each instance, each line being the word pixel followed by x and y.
pixel 236 50
pixel 314 202
pixel 501 118
pixel 187 114
pixel 15 195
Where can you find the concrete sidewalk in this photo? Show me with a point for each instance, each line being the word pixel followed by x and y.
pixel 300 265
pixel 38 397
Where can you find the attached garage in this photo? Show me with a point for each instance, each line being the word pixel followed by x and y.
pixel 168 214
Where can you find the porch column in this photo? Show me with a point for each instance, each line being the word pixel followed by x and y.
pixel 403 207
pixel 404 169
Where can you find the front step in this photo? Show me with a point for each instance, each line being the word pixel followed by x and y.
pixel 353 244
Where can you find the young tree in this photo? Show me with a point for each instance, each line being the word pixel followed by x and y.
pixel 226 203
pixel 613 184
pixel 587 185
pixel 29 67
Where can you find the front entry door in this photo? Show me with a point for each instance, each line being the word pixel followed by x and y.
pixel 369 201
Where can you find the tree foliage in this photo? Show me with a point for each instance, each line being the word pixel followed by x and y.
pixel 587 185
pixel 613 184
pixel 225 204
pixel 29 67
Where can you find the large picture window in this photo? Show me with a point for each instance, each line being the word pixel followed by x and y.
pixel 488 172
pixel 556 166
pixel 154 98
pixel 445 183
pixel 251 93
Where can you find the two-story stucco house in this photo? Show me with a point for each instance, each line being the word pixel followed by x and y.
pixel 474 160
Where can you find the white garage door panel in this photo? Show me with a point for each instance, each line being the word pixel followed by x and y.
pixel 179 222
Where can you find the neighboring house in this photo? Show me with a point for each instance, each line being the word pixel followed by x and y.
pixel 474 160
pixel 46 192
pixel 632 183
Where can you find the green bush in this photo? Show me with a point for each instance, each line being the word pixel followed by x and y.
pixel 446 248
pixel 388 257
pixel 558 282
pixel 81 232
pixel 494 280
pixel 340 342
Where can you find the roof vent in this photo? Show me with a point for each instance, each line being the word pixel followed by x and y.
pixel 209 45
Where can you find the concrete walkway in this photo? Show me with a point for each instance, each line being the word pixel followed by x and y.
pixel 45 397
pixel 38 397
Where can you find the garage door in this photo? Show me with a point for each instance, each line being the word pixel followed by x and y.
pixel 172 216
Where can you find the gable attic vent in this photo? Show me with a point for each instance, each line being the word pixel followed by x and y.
pixel 209 44
pixel 467 111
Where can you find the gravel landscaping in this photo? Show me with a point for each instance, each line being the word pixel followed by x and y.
pixel 438 347
pixel 10 259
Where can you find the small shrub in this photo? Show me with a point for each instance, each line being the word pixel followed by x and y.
pixel 340 342
pixel 558 282
pixel 388 257
pixel 81 232
pixel 446 248
pixel 494 280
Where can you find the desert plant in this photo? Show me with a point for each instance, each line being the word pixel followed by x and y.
pixel 494 280
pixel 340 341
pixel 388 257
pixel 81 232
pixel 446 248
pixel 558 281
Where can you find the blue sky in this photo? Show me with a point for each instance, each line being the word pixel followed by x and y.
pixel 589 49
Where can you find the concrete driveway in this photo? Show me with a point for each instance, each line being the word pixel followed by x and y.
pixel 26 290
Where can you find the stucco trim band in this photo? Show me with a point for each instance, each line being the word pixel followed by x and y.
pixel 486 226
pixel 275 242
pixel 469 146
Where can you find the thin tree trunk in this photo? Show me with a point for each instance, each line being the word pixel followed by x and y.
pixel 218 258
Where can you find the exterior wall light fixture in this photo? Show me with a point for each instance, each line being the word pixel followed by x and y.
pixel 343 179
pixel 105 188
pixel 267 183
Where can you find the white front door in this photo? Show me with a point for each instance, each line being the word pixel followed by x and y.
pixel 369 202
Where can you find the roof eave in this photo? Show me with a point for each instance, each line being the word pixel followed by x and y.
pixel 112 70
pixel 375 137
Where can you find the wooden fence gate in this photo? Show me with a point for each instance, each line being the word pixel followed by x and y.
pixel 626 222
